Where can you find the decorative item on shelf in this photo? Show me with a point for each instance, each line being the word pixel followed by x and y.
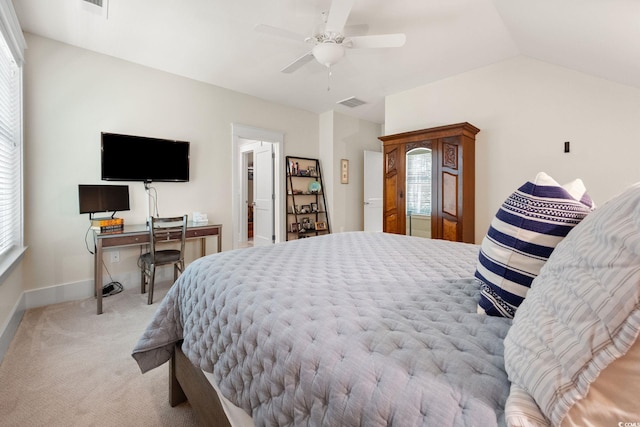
pixel 304 209
pixel 293 168
pixel 304 173
pixel 312 171
pixel 314 187
pixel 294 228
pixel 344 171
pixel 314 207
pixel 307 225
pixel 321 225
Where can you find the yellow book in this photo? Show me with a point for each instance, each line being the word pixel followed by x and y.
pixel 105 222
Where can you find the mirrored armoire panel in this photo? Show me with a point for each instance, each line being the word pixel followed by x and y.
pixel 429 182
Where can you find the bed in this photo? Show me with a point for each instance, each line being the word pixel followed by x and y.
pixel 376 329
pixel 344 329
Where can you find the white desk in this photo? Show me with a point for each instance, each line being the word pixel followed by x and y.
pixel 138 235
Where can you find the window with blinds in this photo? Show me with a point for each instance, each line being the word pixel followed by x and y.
pixel 10 150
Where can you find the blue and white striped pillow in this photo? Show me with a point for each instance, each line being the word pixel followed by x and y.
pixel 526 229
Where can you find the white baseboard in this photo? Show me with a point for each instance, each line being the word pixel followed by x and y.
pixel 11 326
pixel 84 289
pixel 58 293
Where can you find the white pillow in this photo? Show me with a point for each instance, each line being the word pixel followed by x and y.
pixel 522 236
pixel 583 310
pixel 522 411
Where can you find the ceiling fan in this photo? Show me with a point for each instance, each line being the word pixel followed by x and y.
pixel 330 40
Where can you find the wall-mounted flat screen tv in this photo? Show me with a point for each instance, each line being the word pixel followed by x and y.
pixel 103 198
pixel 137 158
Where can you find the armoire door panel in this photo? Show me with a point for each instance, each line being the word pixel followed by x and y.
pixel 391 187
pixel 393 208
pixel 449 230
pixel 450 193
pixel 391 224
pixel 449 155
pixel 391 161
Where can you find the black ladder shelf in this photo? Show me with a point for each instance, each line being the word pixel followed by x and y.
pixel 307 214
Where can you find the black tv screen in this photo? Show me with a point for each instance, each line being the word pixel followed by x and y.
pixel 103 198
pixel 137 158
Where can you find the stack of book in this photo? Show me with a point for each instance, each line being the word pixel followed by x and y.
pixel 107 225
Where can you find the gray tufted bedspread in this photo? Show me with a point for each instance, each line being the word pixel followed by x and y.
pixel 348 329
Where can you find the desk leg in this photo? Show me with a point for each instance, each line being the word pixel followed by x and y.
pixel 97 268
pixel 220 239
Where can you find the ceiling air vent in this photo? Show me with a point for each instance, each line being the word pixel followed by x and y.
pixel 99 7
pixel 351 102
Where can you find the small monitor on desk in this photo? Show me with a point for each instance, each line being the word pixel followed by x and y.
pixel 103 198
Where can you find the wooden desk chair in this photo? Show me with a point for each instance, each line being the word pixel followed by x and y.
pixel 162 230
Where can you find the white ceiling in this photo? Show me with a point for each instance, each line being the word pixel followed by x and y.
pixel 214 41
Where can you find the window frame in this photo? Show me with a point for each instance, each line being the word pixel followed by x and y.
pixel 11 34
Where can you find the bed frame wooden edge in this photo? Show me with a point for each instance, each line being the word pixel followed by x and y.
pixel 186 382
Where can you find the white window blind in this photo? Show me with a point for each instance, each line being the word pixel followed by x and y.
pixel 418 182
pixel 10 148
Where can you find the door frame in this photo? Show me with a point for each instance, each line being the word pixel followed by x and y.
pixel 244 136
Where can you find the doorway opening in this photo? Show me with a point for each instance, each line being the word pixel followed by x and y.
pixel 257 186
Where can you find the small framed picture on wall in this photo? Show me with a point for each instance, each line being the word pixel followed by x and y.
pixel 344 171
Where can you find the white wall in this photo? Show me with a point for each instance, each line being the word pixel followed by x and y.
pixel 526 110
pixel 351 137
pixel 345 137
pixel 71 95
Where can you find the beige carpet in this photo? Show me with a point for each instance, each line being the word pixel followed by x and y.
pixel 68 366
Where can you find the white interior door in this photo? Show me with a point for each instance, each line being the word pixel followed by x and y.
pixel 263 195
pixel 373 190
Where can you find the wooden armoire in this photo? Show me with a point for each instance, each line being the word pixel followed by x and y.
pixel 453 180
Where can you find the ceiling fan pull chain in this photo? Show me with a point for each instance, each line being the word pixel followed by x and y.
pixel 329 79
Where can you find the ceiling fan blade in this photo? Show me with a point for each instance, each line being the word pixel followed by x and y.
pixel 278 32
pixel 338 14
pixel 298 63
pixel 381 40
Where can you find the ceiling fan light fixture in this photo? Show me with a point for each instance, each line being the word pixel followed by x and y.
pixel 328 53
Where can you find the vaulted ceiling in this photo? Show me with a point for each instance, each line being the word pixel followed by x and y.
pixel 215 41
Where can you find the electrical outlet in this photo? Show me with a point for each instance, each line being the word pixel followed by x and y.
pixel 115 256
